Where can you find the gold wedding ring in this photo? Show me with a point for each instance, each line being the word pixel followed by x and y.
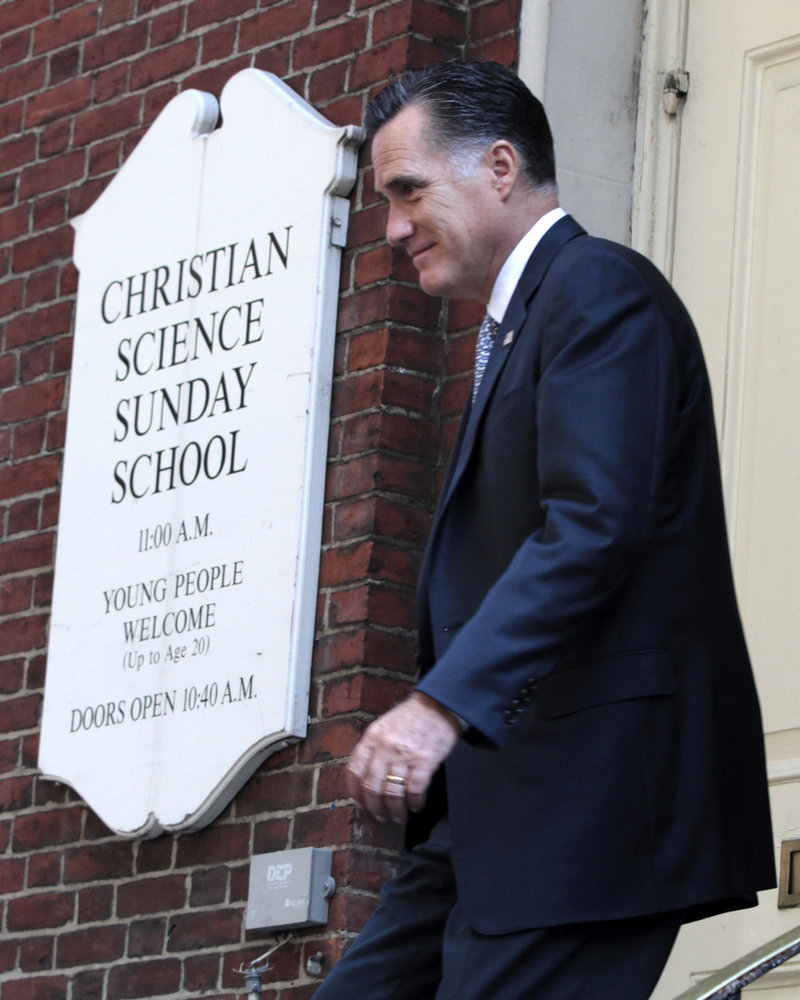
pixel 395 779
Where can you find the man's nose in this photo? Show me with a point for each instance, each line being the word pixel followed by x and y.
pixel 398 227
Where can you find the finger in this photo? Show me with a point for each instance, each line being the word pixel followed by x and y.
pixel 416 790
pixel 394 793
pixel 367 778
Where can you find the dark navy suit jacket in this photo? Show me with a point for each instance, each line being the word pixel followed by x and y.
pixel 577 610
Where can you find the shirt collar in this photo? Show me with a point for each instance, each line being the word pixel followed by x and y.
pixel 512 269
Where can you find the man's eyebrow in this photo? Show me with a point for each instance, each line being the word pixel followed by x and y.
pixel 405 180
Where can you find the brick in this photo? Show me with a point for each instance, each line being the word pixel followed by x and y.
pixel 150 978
pixel 64 65
pixel 324 827
pixel 109 83
pixel 167 27
pixel 503 50
pixel 12 875
pixel 36 988
pixel 36 671
pixel 379 64
pixel 89 984
pixel 50 175
pixel 34 363
pixel 17 480
pixel 331 43
pixel 267 791
pixel 43 590
pixel 32 400
pixel 392 431
pixel 146 937
pixel 199 971
pixel 44 869
pixel 209 887
pixel 276 22
pixel 383 518
pixel 378 472
pixel 15 595
pixel 16 792
pixel 494 19
pixel 41 250
pixel 17 714
pixel 330 741
pixel 203 12
pixel 27 78
pixel 328 9
pixel 352 910
pixel 332 786
pixel 47 828
pixel 50 508
pixel 16 152
pixel 100 861
pixel 39 910
pixel 154 855
pixel 213 79
pixel 362 693
pixel 16 48
pixel 91 946
pixel 36 954
pixel 211 928
pixel 11 299
pixel 23 516
pixel 272 835
pixel 115 11
pixel 151 895
pixel 38 324
pixel 213 845
pixel 343 649
pixel 163 63
pixel 11 118
pixel 219 43
pixel 344 111
pixel 50 211
pixel 69 27
pixel 42 287
pixel 56 102
pixel 84 196
pixel 95 903
pixel 55 138
pixel 240 876
pixel 373 265
pixel 21 13
pixel 12 678
pixel 99 123
pixel 110 47
pixel 274 59
pixel 392 20
pixel 410 349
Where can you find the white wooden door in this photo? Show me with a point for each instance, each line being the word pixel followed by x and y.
pixel 736 263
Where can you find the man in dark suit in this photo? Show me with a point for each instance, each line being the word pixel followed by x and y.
pixel 585 681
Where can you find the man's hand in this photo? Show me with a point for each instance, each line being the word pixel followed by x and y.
pixel 406 745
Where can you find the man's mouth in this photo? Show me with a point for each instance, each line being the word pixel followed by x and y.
pixel 416 254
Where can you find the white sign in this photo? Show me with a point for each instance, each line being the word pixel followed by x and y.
pixel 191 508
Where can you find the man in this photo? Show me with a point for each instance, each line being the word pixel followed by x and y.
pixel 584 675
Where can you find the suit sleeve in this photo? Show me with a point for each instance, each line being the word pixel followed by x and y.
pixel 604 416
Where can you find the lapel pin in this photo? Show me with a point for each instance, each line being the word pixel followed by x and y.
pixel 508 338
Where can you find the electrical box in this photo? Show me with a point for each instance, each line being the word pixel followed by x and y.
pixel 289 889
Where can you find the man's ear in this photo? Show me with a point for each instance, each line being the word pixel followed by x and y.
pixel 505 164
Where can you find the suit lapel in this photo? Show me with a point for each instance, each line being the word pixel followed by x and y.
pixel 508 332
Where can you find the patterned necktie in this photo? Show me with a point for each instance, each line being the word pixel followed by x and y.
pixel 483 349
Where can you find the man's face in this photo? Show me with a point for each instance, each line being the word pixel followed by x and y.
pixel 446 222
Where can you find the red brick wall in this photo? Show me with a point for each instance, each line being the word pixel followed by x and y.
pixel 84 914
